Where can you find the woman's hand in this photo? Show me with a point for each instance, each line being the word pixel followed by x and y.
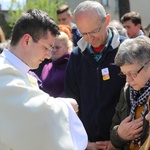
pixel 129 130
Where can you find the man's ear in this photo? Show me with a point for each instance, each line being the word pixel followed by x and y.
pixel 26 39
pixel 107 20
pixel 139 26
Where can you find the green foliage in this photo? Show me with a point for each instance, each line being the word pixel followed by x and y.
pixel 49 6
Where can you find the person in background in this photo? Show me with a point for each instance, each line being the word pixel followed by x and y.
pixel 2 36
pixel 132 22
pixel 129 128
pixel 65 16
pixel 91 75
pixel 121 30
pixel 53 73
pixel 4 45
pixel 66 29
pixel 30 118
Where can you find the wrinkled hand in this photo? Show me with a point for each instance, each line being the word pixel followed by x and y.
pixel 129 130
pixel 100 145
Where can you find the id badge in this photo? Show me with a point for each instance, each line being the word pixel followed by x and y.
pixel 105 74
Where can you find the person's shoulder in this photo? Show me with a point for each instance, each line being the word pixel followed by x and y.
pixel 76 57
pixel 122 38
pixel 76 50
pixel 6 66
pixel 73 26
pixel 75 31
pixel 76 54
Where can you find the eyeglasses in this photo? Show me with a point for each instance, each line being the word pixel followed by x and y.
pixel 131 74
pixel 49 49
pixel 92 32
pixel 95 31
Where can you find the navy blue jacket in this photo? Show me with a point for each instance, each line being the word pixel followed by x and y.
pixel 96 96
pixel 75 33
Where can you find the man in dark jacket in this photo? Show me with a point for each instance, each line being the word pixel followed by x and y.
pixel 91 76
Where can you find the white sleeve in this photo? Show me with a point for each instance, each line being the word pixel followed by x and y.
pixel 78 133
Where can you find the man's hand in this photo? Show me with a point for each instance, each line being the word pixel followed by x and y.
pixel 74 104
pixel 105 145
pixel 100 145
pixel 92 146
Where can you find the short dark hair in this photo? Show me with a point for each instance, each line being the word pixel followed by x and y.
pixel 133 16
pixel 62 9
pixel 35 22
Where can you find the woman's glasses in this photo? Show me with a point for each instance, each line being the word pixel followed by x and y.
pixel 132 74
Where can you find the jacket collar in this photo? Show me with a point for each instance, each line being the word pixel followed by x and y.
pixel 115 40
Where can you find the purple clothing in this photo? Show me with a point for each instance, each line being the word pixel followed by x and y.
pixel 53 75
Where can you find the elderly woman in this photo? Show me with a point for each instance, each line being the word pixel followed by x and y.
pixel 129 128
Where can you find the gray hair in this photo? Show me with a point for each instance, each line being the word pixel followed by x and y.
pixel 136 50
pixel 91 5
